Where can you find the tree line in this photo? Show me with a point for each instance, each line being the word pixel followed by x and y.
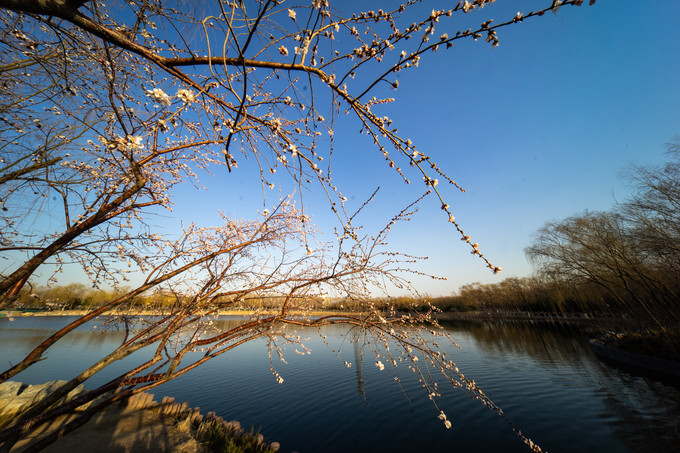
pixel 623 262
pixel 78 296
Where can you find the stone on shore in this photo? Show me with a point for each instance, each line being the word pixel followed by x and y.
pixel 138 424
pixel 15 397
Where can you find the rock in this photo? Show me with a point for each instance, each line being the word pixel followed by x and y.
pixel 140 425
pixel 8 392
pixel 49 387
pixel 23 398
pixel 9 389
pixel 16 397
pixel 75 392
pixel 39 391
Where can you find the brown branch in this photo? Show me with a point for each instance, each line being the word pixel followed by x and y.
pixel 10 287
pixel 199 61
pixel 19 173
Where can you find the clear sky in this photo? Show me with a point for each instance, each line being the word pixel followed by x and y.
pixel 536 129
pixel 541 127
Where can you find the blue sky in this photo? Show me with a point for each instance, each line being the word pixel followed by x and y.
pixel 545 123
pixel 537 129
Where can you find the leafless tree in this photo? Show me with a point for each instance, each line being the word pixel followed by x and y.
pixel 654 215
pixel 604 249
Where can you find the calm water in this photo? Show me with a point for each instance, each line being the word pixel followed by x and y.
pixel 545 378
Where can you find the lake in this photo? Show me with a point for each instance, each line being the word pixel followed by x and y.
pixel 544 377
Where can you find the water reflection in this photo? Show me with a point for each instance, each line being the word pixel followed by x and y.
pixel 642 412
pixel 544 377
pixel 359 367
pixel 556 343
pixel 647 411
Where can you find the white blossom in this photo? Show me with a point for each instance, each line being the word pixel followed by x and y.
pixel 134 142
pixel 159 96
pixel 186 96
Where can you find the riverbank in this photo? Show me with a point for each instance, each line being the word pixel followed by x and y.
pixel 450 315
pixel 619 333
pixel 591 325
pixel 24 313
pixel 581 320
pixel 138 424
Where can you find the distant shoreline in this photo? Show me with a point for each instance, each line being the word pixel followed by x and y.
pixel 580 319
pixel 22 313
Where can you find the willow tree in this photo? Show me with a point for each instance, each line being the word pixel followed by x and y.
pixel 107 107
pixel 654 213
pixel 631 253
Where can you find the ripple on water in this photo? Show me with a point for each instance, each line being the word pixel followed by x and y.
pixel 545 379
